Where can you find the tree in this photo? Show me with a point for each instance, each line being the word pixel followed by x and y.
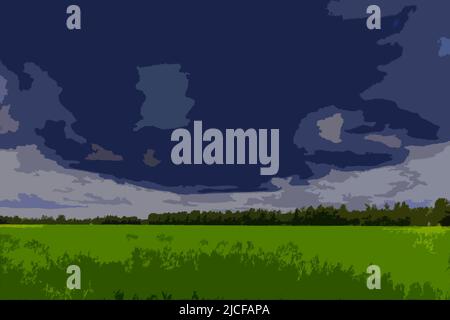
pixel 440 212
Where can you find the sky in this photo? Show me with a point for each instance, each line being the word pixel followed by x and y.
pixel 86 116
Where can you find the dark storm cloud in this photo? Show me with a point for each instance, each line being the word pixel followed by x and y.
pixel 284 70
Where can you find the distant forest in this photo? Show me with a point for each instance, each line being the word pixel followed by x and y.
pixel 399 214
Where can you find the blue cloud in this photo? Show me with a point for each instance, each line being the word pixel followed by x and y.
pixel 444 49
pixel 26 201
pixel 165 105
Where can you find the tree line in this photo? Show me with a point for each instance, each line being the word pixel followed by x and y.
pixel 399 214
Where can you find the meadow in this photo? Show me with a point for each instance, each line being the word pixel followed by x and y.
pixel 223 262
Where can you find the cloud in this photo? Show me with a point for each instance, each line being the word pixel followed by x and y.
pixel 101 154
pixel 326 129
pixel 71 192
pixel 444 49
pixel 94 199
pixel 55 190
pixel 237 94
pixel 419 181
pixel 332 138
pixel 200 200
pixel 244 92
pixel 7 123
pixel 30 109
pixel 32 201
pixel 150 159
pixel 407 79
pixel 166 105
pixel 330 128
pixel 421 178
pixel 3 90
pixel 390 141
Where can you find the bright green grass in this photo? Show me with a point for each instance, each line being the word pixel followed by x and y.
pixel 409 254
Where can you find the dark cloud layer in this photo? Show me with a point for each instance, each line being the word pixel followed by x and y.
pixel 294 67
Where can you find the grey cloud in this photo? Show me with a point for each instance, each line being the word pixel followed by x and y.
pixel 7 123
pixel 421 179
pixel 309 127
pixel 339 124
pixel 94 199
pixel 181 202
pixel 418 80
pixel 3 90
pixel 150 159
pixel 64 190
pixel 330 128
pixel 32 201
pixel 101 154
pixel 35 106
pixel 424 153
pixel 390 141
pixel 196 200
pixel 396 188
pixel 32 161
pixel 76 193
pixel 444 49
pixel 166 105
pixel 288 197
pixel 355 202
pixel 412 181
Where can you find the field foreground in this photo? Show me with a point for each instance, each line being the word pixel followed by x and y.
pixel 224 262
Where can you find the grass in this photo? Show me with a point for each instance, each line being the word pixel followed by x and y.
pixel 230 262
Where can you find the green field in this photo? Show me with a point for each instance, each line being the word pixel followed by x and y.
pixel 224 262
